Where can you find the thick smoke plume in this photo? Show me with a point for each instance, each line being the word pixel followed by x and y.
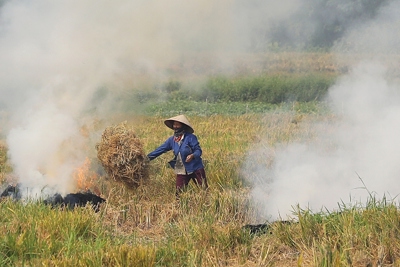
pixel 63 61
pixel 354 157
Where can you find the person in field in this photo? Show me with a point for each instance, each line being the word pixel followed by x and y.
pixel 187 162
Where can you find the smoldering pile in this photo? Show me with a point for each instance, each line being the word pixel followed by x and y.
pixel 121 153
pixel 69 201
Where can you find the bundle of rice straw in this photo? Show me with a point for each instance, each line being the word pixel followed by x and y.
pixel 121 154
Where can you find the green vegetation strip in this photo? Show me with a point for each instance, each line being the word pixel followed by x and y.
pixel 196 108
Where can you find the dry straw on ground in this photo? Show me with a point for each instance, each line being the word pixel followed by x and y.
pixel 121 153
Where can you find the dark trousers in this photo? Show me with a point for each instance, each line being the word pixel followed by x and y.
pixel 199 177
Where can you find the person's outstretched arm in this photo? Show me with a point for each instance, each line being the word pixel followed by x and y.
pixel 167 146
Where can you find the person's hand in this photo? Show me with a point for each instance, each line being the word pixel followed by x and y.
pixel 189 158
pixel 146 161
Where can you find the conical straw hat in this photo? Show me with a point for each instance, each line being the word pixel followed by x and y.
pixel 180 118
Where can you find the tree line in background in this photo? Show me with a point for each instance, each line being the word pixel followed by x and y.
pixel 319 23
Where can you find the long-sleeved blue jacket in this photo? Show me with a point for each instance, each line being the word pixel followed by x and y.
pixel 189 145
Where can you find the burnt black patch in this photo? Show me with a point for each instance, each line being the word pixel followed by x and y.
pixel 74 200
pixel 264 228
pixel 54 200
pixel 11 191
pixel 70 201
pixel 257 228
pixel 82 199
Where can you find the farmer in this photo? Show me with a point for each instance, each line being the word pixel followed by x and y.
pixel 187 161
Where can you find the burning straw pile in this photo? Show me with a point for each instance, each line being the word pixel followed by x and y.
pixel 121 154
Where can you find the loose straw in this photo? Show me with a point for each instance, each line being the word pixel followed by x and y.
pixel 122 156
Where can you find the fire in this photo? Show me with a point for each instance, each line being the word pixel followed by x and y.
pixel 85 178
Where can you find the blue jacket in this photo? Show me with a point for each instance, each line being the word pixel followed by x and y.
pixel 189 145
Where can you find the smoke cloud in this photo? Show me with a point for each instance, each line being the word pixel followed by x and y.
pixel 59 56
pixel 355 156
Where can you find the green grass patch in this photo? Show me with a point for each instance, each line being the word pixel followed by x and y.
pixel 219 94
pixel 204 108
pixel 273 89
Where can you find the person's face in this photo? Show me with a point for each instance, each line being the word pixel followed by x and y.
pixel 177 125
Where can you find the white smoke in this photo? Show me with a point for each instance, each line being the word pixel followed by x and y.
pixel 56 55
pixel 45 150
pixel 355 156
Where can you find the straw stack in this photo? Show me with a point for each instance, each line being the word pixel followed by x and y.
pixel 122 156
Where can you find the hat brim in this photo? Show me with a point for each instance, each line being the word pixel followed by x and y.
pixel 169 123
